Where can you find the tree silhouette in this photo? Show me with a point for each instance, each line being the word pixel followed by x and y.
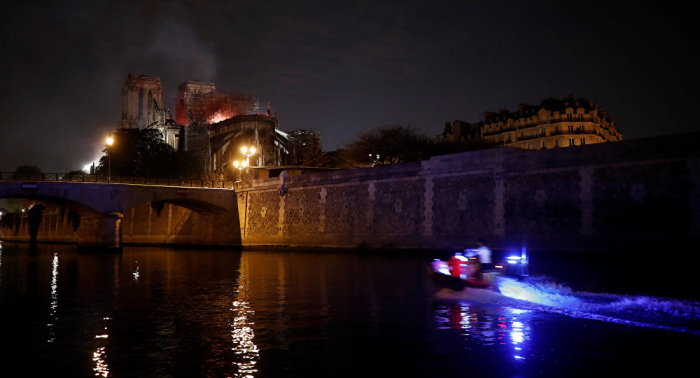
pixel 313 155
pixel 144 153
pixel 388 144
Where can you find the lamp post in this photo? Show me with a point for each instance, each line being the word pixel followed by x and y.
pixel 240 166
pixel 110 141
pixel 248 153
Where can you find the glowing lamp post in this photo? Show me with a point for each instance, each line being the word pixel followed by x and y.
pixel 248 153
pixel 110 141
pixel 240 166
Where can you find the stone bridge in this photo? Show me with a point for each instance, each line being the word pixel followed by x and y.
pixel 102 207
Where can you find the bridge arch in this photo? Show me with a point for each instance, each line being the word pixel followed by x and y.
pixel 48 218
pixel 194 215
pixel 69 202
pixel 180 222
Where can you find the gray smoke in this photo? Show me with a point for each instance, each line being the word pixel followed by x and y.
pixel 176 46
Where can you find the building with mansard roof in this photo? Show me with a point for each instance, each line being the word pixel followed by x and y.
pixel 554 123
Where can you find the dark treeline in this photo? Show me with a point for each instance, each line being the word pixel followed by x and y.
pixel 144 153
pixel 396 143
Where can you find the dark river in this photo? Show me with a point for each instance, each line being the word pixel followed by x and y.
pixel 288 312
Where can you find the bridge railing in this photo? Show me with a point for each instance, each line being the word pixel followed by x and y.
pixel 72 177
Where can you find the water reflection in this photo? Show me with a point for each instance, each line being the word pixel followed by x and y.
pixel 99 356
pixel 241 329
pixel 136 273
pixel 54 298
pixel 486 325
pixel 101 369
pixel 292 313
pixel 520 332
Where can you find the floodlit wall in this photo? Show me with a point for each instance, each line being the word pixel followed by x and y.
pixel 642 193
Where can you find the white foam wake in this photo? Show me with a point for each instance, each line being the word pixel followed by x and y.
pixel 544 295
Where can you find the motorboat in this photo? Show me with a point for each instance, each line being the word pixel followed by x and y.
pixel 462 271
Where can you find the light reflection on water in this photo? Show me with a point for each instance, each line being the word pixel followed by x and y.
pixel 295 314
pixel 99 356
pixel 486 325
pixel 54 297
pixel 241 330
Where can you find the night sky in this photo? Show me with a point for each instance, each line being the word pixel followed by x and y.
pixel 340 67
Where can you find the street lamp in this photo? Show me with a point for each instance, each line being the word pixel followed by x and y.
pixel 248 153
pixel 110 141
pixel 240 167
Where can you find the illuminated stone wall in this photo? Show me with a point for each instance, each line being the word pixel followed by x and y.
pixel 398 207
pixel 464 203
pixel 263 214
pixel 347 210
pixel 641 193
pixel 543 203
pixel 302 212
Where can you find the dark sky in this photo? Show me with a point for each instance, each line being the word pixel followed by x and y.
pixel 340 66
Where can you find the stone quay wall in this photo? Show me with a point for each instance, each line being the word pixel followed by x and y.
pixel 635 194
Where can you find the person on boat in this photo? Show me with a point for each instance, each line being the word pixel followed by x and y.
pixel 484 255
pixel 458 265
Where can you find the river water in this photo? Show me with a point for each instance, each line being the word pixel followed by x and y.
pixel 292 312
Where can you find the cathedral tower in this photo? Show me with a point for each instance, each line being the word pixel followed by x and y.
pixel 138 94
pixel 190 103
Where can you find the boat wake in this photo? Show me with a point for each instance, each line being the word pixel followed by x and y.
pixel 541 294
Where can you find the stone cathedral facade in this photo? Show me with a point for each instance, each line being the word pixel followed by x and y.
pixel 211 125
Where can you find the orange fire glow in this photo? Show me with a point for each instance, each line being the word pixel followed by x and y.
pixel 218 117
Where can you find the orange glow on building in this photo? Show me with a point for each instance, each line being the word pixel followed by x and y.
pixel 199 103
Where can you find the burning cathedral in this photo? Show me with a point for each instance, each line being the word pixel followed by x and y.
pixel 211 125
